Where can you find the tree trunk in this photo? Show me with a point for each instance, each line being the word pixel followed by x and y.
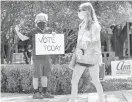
pixel 117 40
pixel 2 54
pixel 121 48
pixel 9 53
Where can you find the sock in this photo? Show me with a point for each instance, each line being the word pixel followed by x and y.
pixel 44 81
pixel 35 83
pixel 44 89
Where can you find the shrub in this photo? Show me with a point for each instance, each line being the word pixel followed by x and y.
pixel 18 78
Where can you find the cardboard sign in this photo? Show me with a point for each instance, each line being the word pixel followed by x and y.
pixel 18 58
pixel 47 44
pixel 123 67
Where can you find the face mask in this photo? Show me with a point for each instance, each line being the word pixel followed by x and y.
pixel 81 15
pixel 41 25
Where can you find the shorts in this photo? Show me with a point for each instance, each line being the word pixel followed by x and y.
pixel 41 68
pixel 85 65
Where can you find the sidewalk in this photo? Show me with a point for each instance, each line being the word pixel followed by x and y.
pixel 113 96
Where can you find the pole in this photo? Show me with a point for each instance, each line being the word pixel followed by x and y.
pixel 115 45
pixel 128 39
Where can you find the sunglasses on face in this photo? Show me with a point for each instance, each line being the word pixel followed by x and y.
pixel 81 10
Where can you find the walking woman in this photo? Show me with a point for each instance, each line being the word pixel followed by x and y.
pixel 88 51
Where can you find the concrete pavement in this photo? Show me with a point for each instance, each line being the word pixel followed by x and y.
pixel 113 96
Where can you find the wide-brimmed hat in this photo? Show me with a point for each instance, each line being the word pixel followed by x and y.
pixel 41 17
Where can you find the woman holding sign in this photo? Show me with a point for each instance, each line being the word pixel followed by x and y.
pixel 88 51
pixel 41 64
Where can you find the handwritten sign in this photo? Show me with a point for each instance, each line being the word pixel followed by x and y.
pixel 123 67
pixel 47 44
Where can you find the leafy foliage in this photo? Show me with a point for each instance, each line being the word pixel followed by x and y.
pixel 62 18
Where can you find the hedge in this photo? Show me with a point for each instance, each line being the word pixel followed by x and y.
pixel 18 78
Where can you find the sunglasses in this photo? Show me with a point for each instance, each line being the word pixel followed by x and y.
pixel 81 10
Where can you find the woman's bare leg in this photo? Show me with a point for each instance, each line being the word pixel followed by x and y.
pixel 77 73
pixel 94 73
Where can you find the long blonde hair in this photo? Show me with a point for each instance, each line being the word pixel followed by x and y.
pixel 88 6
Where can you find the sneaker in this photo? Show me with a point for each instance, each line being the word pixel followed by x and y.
pixel 37 96
pixel 47 95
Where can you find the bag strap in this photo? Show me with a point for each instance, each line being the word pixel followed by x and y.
pixel 79 29
pixel 84 33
